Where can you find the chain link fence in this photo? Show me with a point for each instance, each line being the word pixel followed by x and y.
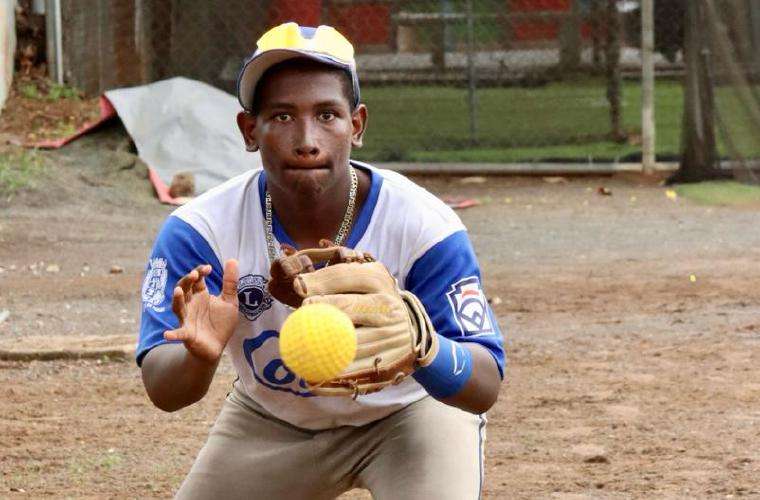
pixel 730 52
pixel 444 80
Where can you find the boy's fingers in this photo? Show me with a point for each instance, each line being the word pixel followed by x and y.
pixel 187 280
pixel 186 284
pixel 230 281
pixel 199 285
pixel 178 334
pixel 179 306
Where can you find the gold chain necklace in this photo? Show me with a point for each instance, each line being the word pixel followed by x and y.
pixel 342 231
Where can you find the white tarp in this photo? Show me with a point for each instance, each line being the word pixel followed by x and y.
pixel 7 47
pixel 182 125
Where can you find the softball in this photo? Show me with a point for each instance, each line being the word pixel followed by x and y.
pixel 317 342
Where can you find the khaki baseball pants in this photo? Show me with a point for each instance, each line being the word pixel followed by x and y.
pixel 427 450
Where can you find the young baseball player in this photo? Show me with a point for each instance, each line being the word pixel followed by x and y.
pixel 230 253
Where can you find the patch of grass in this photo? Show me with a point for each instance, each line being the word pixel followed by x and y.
pixel 109 460
pixel 57 91
pixel 593 151
pixel 566 120
pixel 103 462
pixel 46 90
pixel 64 129
pixel 18 170
pixel 29 91
pixel 728 193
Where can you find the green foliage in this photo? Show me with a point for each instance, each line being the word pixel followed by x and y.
pixel 49 91
pixel 30 91
pixel 62 92
pixel 18 169
pixel 729 193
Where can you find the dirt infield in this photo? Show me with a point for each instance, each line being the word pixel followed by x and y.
pixel 632 324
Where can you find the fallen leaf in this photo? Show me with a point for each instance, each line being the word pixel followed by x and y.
pixel 672 195
pixel 603 191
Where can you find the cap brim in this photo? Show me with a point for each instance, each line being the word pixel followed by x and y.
pixel 259 63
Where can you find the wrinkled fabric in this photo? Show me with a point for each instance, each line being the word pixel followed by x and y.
pixel 182 125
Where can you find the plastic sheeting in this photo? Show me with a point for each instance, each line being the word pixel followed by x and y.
pixel 182 125
pixel 7 47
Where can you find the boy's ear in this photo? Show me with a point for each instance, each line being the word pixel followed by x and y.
pixel 359 125
pixel 247 124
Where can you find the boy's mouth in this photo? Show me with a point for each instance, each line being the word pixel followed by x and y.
pixel 307 166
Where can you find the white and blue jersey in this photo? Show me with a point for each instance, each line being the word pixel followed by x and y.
pixel 417 237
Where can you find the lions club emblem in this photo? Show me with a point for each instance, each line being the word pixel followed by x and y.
pixel 470 307
pixel 154 286
pixel 253 297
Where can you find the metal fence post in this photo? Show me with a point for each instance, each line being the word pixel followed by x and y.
pixel 647 87
pixel 54 40
pixel 471 97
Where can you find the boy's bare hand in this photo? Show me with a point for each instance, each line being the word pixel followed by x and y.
pixel 206 322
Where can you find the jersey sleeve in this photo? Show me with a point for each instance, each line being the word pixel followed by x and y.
pixel 447 281
pixel 178 249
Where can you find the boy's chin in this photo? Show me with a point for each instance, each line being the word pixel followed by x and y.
pixel 311 183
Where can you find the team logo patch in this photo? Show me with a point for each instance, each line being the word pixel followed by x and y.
pixel 470 307
pixel 253 297
pixel 154 286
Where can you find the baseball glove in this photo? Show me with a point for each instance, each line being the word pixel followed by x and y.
pixel 393 331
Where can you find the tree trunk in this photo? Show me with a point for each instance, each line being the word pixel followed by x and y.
pixel 570 40
pixel 596 23
pixel 699 153
pixel 612 69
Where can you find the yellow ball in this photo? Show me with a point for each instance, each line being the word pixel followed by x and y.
pixel 317 342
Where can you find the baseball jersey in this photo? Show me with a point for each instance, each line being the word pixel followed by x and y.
pixel 415 235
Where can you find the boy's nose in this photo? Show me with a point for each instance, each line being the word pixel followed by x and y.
pixel 306 144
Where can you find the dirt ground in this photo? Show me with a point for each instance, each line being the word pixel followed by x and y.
pixel 632 324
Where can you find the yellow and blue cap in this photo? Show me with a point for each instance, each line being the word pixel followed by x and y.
pixel 288 41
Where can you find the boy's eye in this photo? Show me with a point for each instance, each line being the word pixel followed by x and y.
pixel 282 117
pixel 326 116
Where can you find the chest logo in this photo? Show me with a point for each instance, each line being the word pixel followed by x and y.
pixel 253 297
pixel 470 307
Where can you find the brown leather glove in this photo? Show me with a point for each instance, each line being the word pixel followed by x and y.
pixel 392 328
pixel 285 269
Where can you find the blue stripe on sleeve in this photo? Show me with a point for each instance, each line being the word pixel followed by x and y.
pixel 447 281
pixel 178 249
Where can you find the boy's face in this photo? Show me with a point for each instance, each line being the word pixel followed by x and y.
pixel 304 129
